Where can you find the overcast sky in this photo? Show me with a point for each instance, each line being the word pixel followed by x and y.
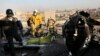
pixel 48 4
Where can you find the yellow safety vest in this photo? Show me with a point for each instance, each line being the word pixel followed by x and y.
pixel 35 21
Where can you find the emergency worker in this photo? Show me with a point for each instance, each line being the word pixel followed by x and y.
pixel 35 22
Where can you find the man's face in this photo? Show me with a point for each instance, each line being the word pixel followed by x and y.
pixel 35 13
pixel 9 15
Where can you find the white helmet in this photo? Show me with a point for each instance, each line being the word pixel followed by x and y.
pixel 35 10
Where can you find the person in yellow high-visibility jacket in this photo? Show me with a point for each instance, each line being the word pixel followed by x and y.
pixel 36 22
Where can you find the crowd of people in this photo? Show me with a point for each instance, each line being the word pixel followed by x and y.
pixel 12 28
pixel 79 27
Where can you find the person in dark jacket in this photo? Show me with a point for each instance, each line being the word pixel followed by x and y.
pixel 69 29
pixel 11 31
